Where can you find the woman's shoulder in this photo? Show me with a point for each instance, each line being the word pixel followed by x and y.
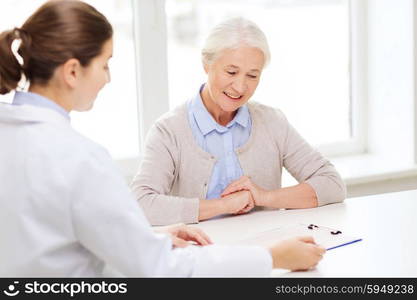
pixel 266 113
pixel 172 125
pixel 173 117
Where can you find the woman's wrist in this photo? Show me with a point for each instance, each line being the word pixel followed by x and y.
pixel 211 208
pixel 222 205
pixel 265 198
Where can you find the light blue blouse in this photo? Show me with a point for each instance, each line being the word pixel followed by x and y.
pixel 28 98
pixel 220 141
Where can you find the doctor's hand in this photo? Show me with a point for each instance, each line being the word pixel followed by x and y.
pixel 296 254
pixel 182 235
pixel 244 183
pixel 238 203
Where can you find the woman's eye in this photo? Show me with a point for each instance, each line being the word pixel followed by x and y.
pixel 252 76
pixel 231 72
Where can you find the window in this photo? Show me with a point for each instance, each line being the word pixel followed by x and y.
pixel 317 75
pixel 310 74
pixel 113 121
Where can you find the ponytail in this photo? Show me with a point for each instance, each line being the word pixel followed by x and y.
pixel 10 69
pixel 55 33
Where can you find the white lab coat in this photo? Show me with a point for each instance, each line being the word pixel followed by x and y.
pixel 66 211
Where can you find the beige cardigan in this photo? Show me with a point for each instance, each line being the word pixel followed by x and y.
pixel 175 172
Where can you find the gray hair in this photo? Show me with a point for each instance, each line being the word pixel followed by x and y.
pixel 231 34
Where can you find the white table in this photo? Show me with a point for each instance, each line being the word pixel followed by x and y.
pixel 387 223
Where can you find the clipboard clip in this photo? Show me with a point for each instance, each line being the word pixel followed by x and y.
pixel 334 232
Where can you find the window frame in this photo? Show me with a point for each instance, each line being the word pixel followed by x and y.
pixel 150 35
pixel 358 85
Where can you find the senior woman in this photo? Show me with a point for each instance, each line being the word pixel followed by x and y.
pixel 220 154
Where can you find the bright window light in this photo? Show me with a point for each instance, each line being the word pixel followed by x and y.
pixel 309 74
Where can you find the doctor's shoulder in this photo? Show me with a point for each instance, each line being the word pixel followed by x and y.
pixel 88 149
pixel 72 150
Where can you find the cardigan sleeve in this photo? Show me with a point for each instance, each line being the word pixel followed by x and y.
pixel 154 180
pixel 307 165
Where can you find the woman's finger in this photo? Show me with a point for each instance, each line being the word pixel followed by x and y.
pixel 234 184
pixel 197 238
pixel 307 239
pixel 178 242
pixel 243 184
pixel 195 235
pixel 228 190
pixel 233 189
pixel 248 207
pixel 320 250
pixel 204 235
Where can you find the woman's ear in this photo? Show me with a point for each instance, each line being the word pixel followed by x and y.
pixel 206 67
pixel 71 71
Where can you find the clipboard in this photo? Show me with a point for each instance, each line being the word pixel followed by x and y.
pixel 329 238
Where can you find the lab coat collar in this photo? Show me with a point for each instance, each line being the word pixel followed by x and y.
pixel 29 98
pixel 30 114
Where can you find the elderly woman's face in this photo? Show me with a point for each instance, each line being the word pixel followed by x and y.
pixel 234 76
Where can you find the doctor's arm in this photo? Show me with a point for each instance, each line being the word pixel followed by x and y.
pixel 109 223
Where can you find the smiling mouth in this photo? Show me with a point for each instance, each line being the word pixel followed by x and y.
pixel 233 97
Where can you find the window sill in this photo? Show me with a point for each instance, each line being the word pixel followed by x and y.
pixel 368 168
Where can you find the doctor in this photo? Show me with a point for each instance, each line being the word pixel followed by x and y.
pixel 64 208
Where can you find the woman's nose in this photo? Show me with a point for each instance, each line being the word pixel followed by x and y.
pixel 239 85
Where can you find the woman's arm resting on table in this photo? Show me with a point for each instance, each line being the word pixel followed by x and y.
pixel 236 203
pixel 299 196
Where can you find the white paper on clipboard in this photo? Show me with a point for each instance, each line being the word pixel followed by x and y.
pixel 328 238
